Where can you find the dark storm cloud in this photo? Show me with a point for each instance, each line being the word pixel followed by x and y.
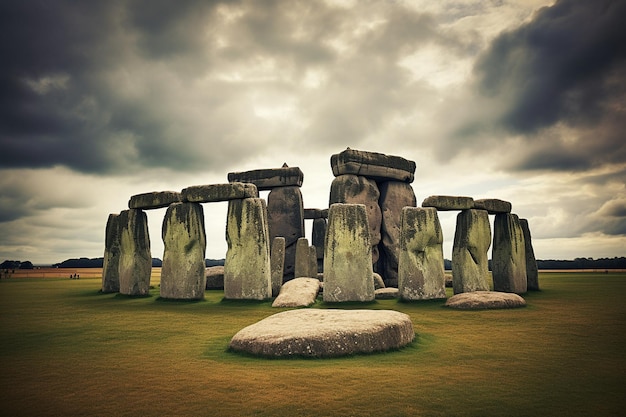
pixel 560 82
pixel 116 86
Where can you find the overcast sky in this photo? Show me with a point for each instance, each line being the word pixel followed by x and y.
pixel 522 100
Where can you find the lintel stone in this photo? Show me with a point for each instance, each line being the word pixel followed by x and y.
pixel 266 179
pixel 493 205
pixel 373 165
pixel 154 200
pixel 447 202
pixel 219 192
pixel 313 213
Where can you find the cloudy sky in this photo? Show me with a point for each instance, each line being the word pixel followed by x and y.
pixel 522 100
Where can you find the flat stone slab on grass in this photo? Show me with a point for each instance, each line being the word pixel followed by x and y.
pixel 299 292
pixel 478 300
pixel 386 293
pixel 325 333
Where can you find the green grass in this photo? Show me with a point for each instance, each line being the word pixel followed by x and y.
pixel 65 349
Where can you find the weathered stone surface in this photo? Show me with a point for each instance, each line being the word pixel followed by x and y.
pixel 299 292
pixel 532 271
pixel 312 214
pixel 472 238
pixel 347 255
pixel 373 165
pixel 154 200
pixel 421 273
pixel 247 271
pixel 318 235
pixel 478 300
pixel 448 202
pixel 111 260
pixel 302 258
pixel 353 189
pixel 448 280
pixel 378 281
pixel 277 263
pixel 493 205
pixel 135 265
pixel 394 196
pixel 184 239
pixel 508 263
pixel 386 293
pixel 286 219
pixel 219 192
pixel 215 277
pixel 312 262
pixel 267 179
pixel 325 333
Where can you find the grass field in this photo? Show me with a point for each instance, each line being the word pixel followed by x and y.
pixel 66 349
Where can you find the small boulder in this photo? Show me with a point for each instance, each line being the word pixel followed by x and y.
pixel 215 277
pixel 298 292
pixel 478 300
pixel 386 293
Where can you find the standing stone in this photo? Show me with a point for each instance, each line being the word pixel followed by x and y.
pixel 277 262
pixel 286 219
pixel 247 271
pixel 470 264
pixel 509 258
pixel 421 272
pixel 347 255
pixel 111 262
pixel 353 189
pixel 302 258
pixel 135 265
pixel 312 262
pixel 394 196
pixel 183 274
pixel 532 272
pixel 317 239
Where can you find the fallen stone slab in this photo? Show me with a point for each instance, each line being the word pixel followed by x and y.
pixel 448 202
pixel 386 293
pixel 266 179
pixel 298 292
pixel 493 205
pixel 219 192
pixel 478 300
pixel 373 165
pixel 325 333
pixel 154 200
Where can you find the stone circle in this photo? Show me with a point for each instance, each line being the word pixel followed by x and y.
pixel 478 300
pixel 325 333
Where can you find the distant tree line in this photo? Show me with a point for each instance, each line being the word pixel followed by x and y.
pixel 16 265
pixel 578 263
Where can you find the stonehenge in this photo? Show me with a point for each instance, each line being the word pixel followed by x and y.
pixel 372 228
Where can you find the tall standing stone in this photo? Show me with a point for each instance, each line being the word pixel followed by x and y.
pixel 348 255
pixel 312 262
pixel 318 234
pixel 183 273
pixel 302 258
pixel 508 258
pixel 277 263
pixel 394 196
pixel 111 261
pixel 135 265
pixel 421 272
pixel 354 189
pixel 532 272
pixel 470 263
pixel 286 219
pixel 247 271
